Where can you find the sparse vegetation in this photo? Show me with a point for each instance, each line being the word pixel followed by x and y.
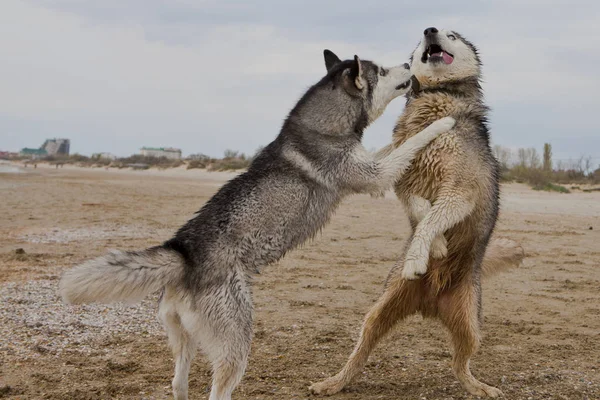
pixel 196 164
pixel 551 187
pixel 521 165
pixel 229 164
pixel 231 160
pixel 159 162
pixel 525 166
pixel 198 161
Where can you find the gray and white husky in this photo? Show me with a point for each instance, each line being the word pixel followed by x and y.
pixel 287 195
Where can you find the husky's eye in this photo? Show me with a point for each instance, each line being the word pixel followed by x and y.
pixel 451 37
pixel 383 72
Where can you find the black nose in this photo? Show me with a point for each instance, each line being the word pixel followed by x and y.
pixel 430 31
pixel 406 66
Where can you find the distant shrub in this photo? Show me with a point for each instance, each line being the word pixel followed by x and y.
pixel 551 187
pixel 172 164
pixel 192 164
pixel 229 164
pixel 160 162
pixel 595 176
pixel 75 158
pixel 524 166
pixel 232 160
pixel 101 162
pixel 198 160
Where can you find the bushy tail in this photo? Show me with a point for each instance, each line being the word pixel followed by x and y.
pixel 121 276
pixel 501 254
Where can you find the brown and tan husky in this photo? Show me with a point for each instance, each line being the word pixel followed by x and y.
pixel 451 194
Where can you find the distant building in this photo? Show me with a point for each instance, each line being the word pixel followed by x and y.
pixel 33 153
pixel 168 152
pixel 57 147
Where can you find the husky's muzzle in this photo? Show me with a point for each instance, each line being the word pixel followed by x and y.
pixel 434 53
pixel 404 85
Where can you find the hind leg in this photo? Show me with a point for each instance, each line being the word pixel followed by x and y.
pixel 225 333
pixel 228 368
pixel 183 347
pixel 400 299
pixel 459 310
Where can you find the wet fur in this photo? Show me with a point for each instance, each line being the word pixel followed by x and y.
pixel 451 193
pixel 288 194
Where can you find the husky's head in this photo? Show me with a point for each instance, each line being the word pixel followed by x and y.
pixel 352 94
pixel 444 56
pixel 367 83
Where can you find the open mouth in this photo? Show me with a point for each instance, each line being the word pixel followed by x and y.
pixel 435 54
pixel 403 85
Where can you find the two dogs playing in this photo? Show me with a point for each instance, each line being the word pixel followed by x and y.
pixel 291 190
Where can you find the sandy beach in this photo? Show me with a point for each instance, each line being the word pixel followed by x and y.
pixel 541 335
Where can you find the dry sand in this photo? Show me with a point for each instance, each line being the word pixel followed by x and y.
pixel 542 321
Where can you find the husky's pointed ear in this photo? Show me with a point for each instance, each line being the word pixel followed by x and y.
pixel 330 59
pixel 356 73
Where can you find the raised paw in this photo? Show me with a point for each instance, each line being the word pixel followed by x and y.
pixel 327 387
pixel 439 247
pixel 415 262
pixel 414 268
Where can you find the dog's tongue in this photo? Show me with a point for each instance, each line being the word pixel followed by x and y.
pixel 447 58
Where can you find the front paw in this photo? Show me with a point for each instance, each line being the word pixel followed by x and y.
pixel 439 247
pixel 415 263
pixel 414 269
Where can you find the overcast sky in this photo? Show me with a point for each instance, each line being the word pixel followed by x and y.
pixel 205 76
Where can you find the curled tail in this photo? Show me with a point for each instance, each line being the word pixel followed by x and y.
pixel 501 254
pixel 121 276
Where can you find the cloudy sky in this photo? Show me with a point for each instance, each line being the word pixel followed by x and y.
pixel 205 76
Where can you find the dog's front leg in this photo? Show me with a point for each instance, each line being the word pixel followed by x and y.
pixel 378 155
pixel 450 208
pixel 417 208
pixel 392 166
pixel 364 173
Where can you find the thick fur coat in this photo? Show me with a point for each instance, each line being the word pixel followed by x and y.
pixel 287 195
pixel 451 194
